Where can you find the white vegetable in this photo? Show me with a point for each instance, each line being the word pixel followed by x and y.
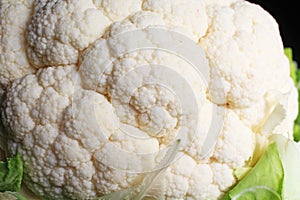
pixel 77 110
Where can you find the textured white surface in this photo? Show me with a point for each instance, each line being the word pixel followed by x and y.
pixel 84 122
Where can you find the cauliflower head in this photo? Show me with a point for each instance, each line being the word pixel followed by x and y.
pixel 92 111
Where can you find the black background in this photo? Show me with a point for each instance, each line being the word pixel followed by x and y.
pixel 287 15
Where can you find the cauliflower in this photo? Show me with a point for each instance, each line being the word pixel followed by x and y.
pixel 13 62
pixel 93 96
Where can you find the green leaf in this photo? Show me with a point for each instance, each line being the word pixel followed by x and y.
pixel 264 181
pixel 290 158
pixel 275 176
pixel 295 74
pixel 293 65
pixel 297 132
pixel 11 173
pixel 241 172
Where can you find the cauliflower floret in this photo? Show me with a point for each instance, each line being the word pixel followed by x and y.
pixel 252 116
pixel 174 14
pixel 232 150
pixel 244 47
pixel 210 178
pixel 13 58
pixel 66 152
pixel 58 30
pixel 38 126
pixel 118 10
